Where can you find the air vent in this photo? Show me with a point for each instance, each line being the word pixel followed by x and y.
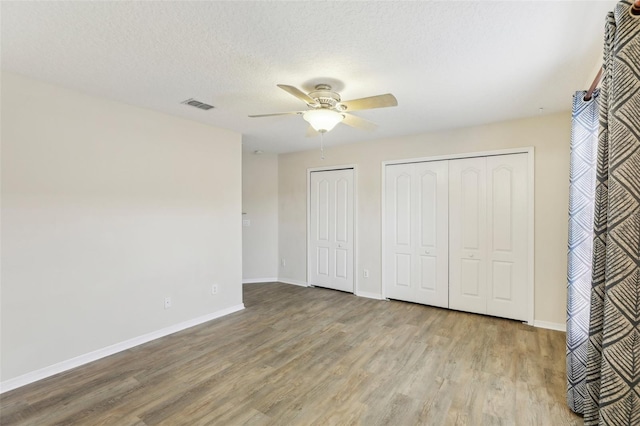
pixel 197 104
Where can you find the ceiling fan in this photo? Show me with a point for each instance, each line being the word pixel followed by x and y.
pixel 326 109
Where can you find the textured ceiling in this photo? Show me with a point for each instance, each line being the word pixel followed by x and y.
pixel 450 64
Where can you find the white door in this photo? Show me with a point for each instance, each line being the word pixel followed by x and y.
pixel 507 248
pixel 467 235
pixel 330 251
pixel 416 233
pixel 488 260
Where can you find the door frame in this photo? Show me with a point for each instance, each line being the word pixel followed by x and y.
pixel 354 167
pixel 530 151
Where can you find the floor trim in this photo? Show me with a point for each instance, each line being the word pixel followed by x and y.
pixel 368 295
pixel 45 372
pixel 550 325
pixel 259 280
pixel 294 282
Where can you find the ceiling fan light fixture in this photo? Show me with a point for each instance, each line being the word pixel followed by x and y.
pixel 322 120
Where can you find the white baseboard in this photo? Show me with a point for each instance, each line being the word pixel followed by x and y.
pixel 369 295
pixel 294 282
pixel 550 325
pixel 259 280
pixel 45 372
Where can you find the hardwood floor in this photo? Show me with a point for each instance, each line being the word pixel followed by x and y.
pixel 310 356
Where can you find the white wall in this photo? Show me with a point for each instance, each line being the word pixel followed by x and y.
pixel 107 209
pixel 260 203
pixel 550 135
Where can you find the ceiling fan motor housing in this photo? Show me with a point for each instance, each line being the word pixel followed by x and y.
pixel 325 96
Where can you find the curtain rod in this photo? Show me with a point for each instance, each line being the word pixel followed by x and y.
pixel 635 11
pixel 587 96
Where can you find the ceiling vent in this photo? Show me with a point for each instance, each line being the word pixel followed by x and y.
pixel 197 104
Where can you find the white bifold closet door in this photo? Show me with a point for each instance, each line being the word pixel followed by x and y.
pixel 416 233
pixel 488 210
pixel 331 233
pixel 456 234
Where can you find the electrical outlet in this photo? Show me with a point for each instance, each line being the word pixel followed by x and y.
pixel 214 289
pixel 283 263
pixel 167 302
pixel 365 273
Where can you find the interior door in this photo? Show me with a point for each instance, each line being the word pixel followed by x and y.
pixel 507 247
pixel 416 232
pixel 399 238
pixel 330 250
pixel 467 235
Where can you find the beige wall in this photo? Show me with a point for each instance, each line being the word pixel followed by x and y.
pixel 260 203
pixel 107 209
pixel 549 135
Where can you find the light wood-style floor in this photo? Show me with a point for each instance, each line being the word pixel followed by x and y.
pixel 310 356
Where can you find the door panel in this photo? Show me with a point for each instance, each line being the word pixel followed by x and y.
pixel 322 261
pixel 500 196
pixel 403 271
pixel 416 233
pixel 402 206
pixel 467 240
pixel 331 215
pixel 431 224
pixel 502 281
pixel 428 272
pixel 427 215
pixel 470 278
pixel 322 203
pixel 507 249
pixel 399 250
pixel 342 210
pixel 341 263
pixel 471 184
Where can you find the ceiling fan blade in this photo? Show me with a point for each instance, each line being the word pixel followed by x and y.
pixel 311 132
pixel 358 122
pixel 298 94
pixel 380 101
pixel 274 114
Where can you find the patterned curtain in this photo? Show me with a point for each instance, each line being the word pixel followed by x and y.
pixel 613 354
pixel 582 184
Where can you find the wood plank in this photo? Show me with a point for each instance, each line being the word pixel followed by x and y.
pixel 303 356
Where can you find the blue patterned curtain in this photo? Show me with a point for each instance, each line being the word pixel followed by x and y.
pixel 613 354
pixel 582 183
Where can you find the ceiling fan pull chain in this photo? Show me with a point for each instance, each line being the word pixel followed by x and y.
pixel 322 145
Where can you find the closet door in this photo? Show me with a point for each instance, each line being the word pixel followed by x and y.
pixel 398 233
pixel 488 235
pixel 467 235
pixel 431 225
pixel 416 250
pixel 507 248
pixel 330 247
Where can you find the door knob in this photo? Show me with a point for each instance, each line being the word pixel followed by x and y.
pixel 471 255
pixel 339 245
pixel 426 252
